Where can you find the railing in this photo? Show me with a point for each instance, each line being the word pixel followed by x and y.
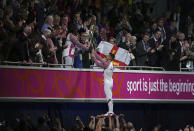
pixel 140 68
pixel 135 68
pixel 92 66
pixel 34 64
pixel 187 69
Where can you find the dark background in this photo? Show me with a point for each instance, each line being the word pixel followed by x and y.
pixel 171 116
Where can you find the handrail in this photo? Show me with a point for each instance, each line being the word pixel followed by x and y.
pixel 92 66
pixel 136 67
pixel 38 64
pixel 186 69
pixel 141 67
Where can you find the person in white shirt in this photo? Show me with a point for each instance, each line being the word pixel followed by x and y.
pixel 68 52
pixel 108 80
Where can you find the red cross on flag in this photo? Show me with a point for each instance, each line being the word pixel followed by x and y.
pixel 122 56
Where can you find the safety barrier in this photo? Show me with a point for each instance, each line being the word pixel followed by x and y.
pixel 92 66
pixel 29 83
pixel 34 64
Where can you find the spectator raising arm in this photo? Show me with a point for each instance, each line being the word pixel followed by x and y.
pixel 59 124
pixel 92 123
pixel 117 122
pixel 81 124
pixel 110 122
pixel 100 122
pixel 123 122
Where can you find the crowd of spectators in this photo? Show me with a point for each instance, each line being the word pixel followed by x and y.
pixel 96 123
pixel 35 31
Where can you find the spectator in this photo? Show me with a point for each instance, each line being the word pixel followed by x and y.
pixel 52 49
pixel 153 29
pixel 126 44
pixel 186 128
pixel 68 52
pixel 112 40
pixel 77 20
pixel 29 123
pixel 142 50
pixel 86 23
pixel 35 48
pixel 99 25
pixel 132 50
pixel 110 30
pixel 102 36
pixel 48 23
pixel 186 53
pixel 97 123
pixel 171 30
pixel 42 126
pixel 176 16
pixel 138 21
pixel 156 128
pixel 9 23
pixel 56 20
pixel 181 37
pixel 93 35
pixel 47 53
pixel 57 41
pixel 175 53
pixel 130 126
pixel 192 55
pixel 3 38
pixel 86 54
pixel 120 38
pixel 155 45
pixel 191 128
pixel 20 50
pixel 39 12
pixel 166 52
pixel 78 59
pixel 72 41
pixel 94 20
pixel 162 29
pixel 64 26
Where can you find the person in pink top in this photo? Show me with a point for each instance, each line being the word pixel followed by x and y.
pixel 68 52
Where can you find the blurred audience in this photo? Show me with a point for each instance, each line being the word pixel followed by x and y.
pixel 96 123
pixel 37 32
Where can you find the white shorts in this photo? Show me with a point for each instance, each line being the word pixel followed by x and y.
pixel 108 85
